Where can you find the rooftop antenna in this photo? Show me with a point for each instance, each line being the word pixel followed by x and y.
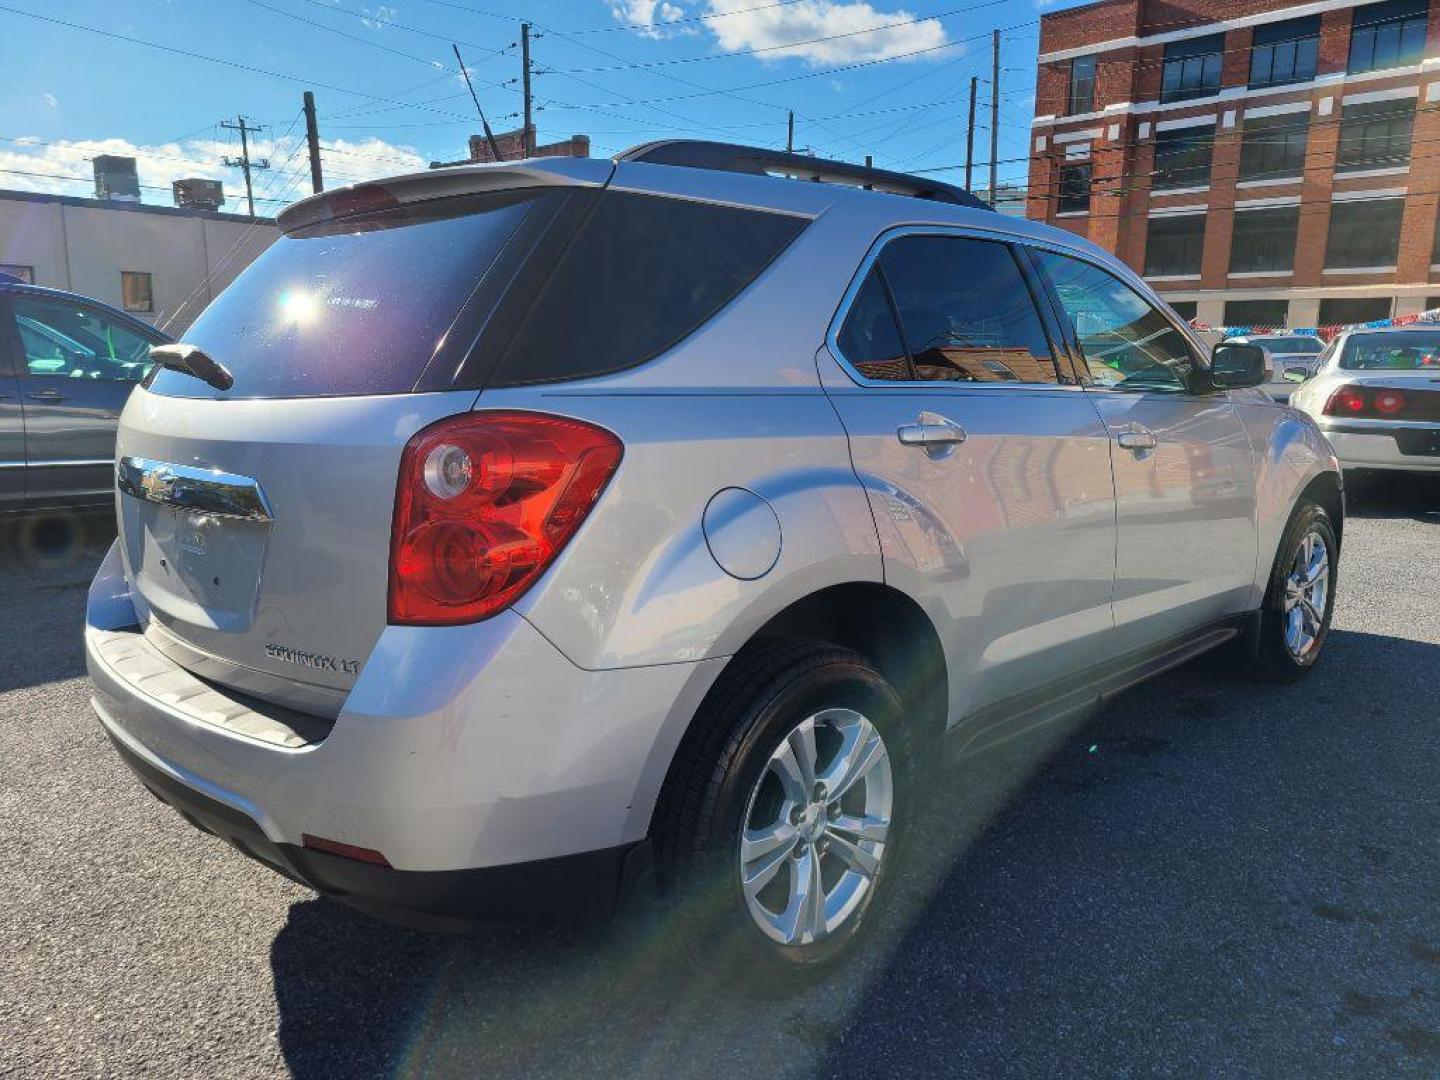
pixel 489 135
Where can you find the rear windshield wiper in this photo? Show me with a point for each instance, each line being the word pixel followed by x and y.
pixel 192 360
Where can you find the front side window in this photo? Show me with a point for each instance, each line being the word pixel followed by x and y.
pixel 1182 157
pixel 1126 341
pixel 1364 233
pixel 1074 189
pixel 1192 68
pixel 966 311
pixel 1174 245
pixel 1273 147
pixel 1284 52
pixel 136 292
pixel 69 341
pixel 1375 135
pixel 1387 35
pixel 870 338
pixel 1264 240
pixel 1082 86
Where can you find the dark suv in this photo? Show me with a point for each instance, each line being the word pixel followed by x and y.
pixel 67 366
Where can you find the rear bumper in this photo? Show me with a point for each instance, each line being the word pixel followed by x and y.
pixel 582 888
pixel 477 760
pixel 1374 447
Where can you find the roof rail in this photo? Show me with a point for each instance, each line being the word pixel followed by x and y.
pixel 757 160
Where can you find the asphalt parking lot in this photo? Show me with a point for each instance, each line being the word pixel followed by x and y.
pixel 1211 878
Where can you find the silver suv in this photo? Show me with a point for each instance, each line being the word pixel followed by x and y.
pixel 507 538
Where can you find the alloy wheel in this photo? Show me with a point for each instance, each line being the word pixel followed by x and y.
pixel 1307 589
pixel 815 828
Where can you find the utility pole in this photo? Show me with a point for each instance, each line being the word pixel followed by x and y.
pixel 312 136
pixel 790 134
pixel 243 162
pixel 994 113
pixel 970 134
pixel 529 131
pixel 489 135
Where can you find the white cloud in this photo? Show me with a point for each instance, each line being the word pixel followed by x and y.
pixel 65 168
pixel 798 30
pixel 816 31
pixel 50 100
pixel 647 16
pixel 377 19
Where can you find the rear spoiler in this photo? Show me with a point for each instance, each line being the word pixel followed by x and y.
pixel 441 184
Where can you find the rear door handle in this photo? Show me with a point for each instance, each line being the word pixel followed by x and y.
pixel 1138 438
pixel 48 395
pixel 935 434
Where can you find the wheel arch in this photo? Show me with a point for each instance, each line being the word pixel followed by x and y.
pixel 877 621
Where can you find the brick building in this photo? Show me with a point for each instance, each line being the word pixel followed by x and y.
pixel 1261 163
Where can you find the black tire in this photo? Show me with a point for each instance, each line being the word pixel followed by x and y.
pixel 1273 659
pixel 760 697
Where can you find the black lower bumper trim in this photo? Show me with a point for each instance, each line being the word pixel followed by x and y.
pixel 573 889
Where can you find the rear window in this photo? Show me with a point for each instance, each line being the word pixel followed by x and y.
pixel 641 273
pixel 1291 344
pixel 1402 350
pixel 357 305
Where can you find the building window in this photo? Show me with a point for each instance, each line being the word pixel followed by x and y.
pixel 1432 303
pixel 1363 233
pixel 1345 311
pixel 1284 52
pixel 1186 309
pixel 1192 68
pixel 1182 157
pixel 1174 245
pixel 1082 86
pixel 1261 313
pixel 135 291
pixel 1273 147
pixel 1387 35
pixel 1074 189
pixel 1264 240
pixel 1375 135
pixel 19 272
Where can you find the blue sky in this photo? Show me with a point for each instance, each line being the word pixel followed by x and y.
pixel 887 77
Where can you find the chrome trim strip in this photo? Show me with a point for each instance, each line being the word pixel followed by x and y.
pixel 208 491
pixel 57 464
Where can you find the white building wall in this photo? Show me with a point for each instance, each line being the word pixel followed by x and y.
pixel 83 245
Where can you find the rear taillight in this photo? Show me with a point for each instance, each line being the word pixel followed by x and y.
pixel 1388 402
pixel 1346 401
pixel 484 503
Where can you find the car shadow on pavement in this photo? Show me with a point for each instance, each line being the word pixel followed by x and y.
pixel 1394 495
pixel 1212 876
pixel 46 564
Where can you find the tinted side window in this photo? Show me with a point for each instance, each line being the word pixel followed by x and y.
pixel 966 312
pixel 75 342
pixel 642 273
pixel 1126 342
pixel 870 340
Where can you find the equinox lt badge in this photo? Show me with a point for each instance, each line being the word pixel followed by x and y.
pixel 287 655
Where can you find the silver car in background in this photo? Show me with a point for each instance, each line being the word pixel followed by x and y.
pixel 1284 352
pixel 1376 395
pixel 508 537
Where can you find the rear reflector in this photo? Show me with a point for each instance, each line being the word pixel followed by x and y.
pixel 345 851
pixel 484 503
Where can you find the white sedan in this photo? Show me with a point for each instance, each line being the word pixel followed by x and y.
pixel 1376 395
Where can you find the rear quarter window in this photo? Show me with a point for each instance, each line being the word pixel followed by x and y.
pixel 641 273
